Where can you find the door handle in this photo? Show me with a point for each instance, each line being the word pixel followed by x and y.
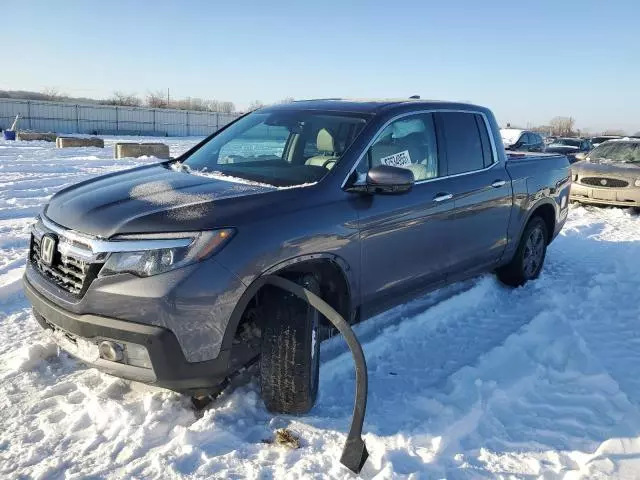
pixel 441 197
pixel 498 183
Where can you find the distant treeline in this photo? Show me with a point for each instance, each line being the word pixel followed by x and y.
pixel 565 127
pixel 151 100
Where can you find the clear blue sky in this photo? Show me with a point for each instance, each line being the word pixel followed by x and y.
pixel 528 61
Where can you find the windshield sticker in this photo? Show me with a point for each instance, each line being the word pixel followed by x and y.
pixel 400 159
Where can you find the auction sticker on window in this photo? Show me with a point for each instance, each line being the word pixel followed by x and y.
pixel 400 159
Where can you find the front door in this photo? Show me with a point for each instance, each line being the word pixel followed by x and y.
pixel 404 237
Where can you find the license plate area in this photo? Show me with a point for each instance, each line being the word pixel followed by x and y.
pixel 77 346
pixel 604 194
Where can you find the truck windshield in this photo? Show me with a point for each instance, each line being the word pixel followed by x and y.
pixel 282 148
pixel 623 152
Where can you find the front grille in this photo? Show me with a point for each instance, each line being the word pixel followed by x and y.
pixel 72 274
pixel 604 182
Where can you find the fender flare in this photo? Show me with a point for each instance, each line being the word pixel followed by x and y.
pixel 258 282
pixel 532 210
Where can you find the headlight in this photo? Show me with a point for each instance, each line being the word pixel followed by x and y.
pixel 147 260
pixel 637 182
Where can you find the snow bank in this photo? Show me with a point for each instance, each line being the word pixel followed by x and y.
pixel 473 381
pixel 10 284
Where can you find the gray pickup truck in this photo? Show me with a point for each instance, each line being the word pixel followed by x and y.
pixel 151 274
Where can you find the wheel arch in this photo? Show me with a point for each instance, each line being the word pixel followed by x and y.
pixel 312 263
pixel 546 210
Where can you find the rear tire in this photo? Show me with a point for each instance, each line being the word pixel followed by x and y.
pixel 289 360
pixel 529 257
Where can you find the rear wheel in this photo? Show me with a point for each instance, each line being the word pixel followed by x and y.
pixel 289 359
pixel 529 257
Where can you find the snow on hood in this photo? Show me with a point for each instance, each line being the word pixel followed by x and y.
pixel 510 135
pixel 180 167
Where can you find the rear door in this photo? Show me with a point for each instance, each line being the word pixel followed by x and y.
pixel 404 237
pixel 481 191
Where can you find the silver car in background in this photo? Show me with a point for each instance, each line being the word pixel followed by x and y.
pixel 609 174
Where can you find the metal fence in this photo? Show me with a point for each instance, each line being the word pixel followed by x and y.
pixel 85 118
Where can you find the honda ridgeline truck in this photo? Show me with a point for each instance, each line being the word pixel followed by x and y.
pixel 151 274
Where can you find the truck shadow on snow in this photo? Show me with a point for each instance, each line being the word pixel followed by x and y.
pixel 554 365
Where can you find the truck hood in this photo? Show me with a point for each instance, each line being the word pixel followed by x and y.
pixel 563 149
pixel 148 199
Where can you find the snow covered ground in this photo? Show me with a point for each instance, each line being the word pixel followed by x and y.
pixel 473 381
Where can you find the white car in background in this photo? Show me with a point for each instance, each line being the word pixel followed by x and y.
pixel 521 140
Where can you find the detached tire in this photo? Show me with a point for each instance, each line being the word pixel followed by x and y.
pixel 529 257
pixel 289 360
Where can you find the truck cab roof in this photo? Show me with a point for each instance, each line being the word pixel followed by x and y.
pixel 372 106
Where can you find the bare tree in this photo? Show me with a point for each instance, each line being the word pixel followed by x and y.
pixel 52 94
pixel 255 105
pixel 226 107
pixel 562 126
pixel 123 99
pixel 157 100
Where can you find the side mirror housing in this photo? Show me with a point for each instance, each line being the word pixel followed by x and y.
pixel 580 156
pixel 385 179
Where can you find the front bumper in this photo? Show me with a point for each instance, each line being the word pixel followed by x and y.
pixel 169 367
pixel 624 197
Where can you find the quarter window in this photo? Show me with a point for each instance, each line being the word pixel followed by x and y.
pixel 464 147
pixel 487 151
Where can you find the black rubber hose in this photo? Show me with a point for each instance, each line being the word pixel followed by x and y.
pixel 354 453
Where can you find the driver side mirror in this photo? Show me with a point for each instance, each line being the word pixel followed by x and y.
pixel 385 179
pixel 580 156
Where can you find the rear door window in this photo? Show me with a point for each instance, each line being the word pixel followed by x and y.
pixel 463 142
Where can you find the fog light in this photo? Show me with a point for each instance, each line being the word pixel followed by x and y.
pixel 138 356
pixel 110 351
pixel 637 182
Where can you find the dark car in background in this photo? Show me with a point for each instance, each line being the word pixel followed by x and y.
pixel 521 140
pixel 569 147
pixel 595 141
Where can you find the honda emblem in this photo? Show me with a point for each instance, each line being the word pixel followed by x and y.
pixel 48 248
